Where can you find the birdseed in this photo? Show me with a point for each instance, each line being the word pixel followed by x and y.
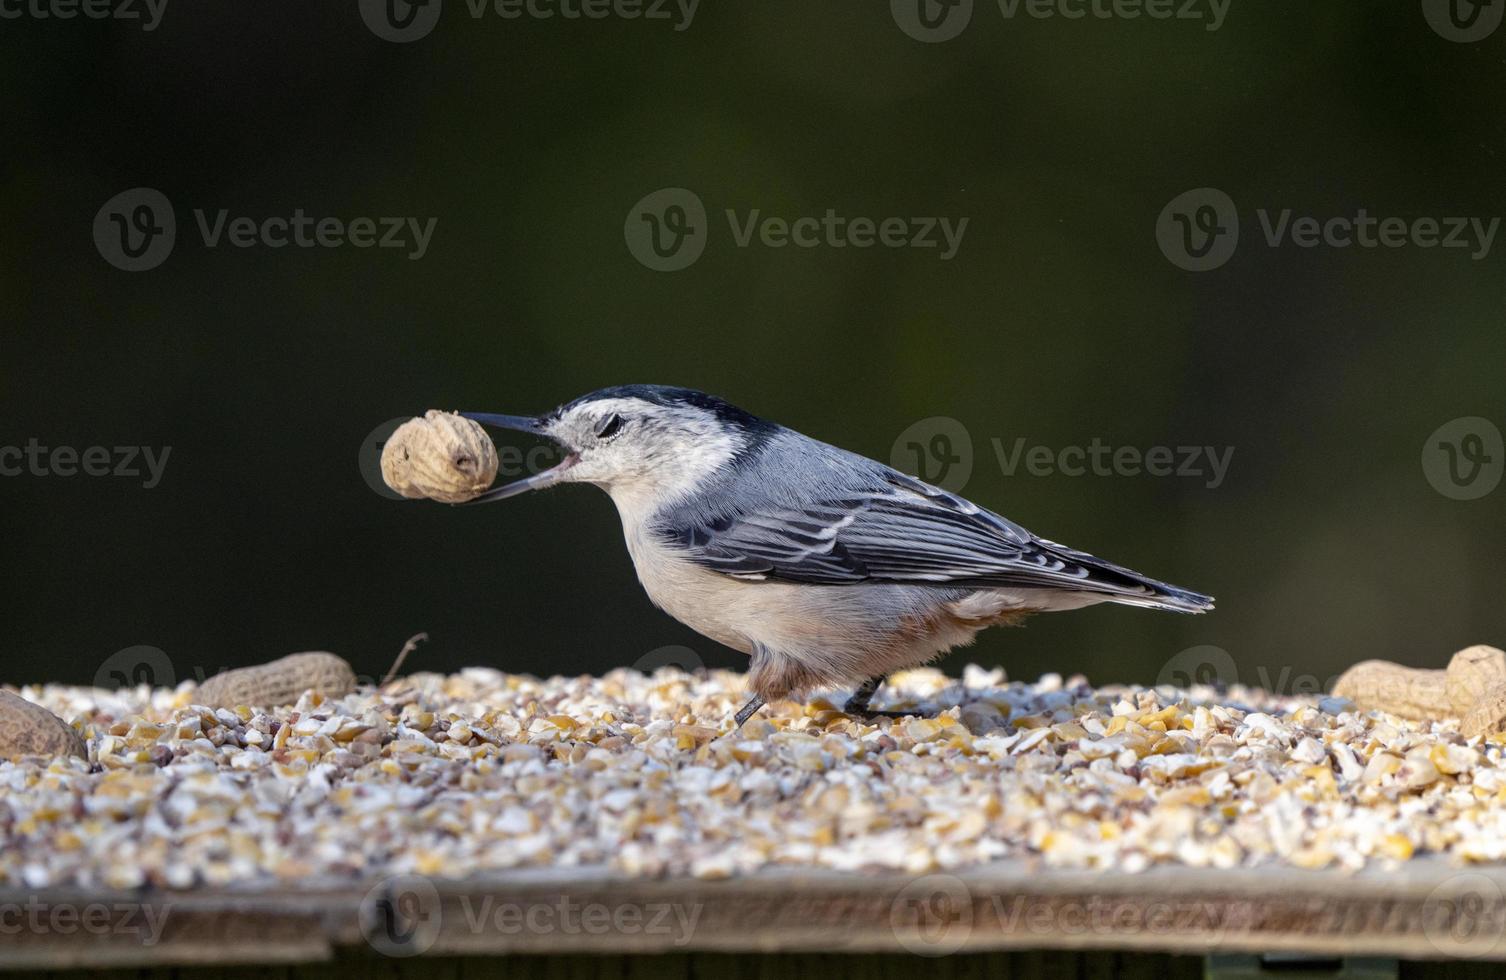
pixel 482 770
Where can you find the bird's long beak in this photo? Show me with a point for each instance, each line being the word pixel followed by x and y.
pixel 518 423
pixel 529 424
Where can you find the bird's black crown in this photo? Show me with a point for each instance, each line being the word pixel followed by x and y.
pixel 670 397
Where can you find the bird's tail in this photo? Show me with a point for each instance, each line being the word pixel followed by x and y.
pixel 1119 584
pixel 1168 597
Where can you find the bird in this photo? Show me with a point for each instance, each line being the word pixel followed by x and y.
pixel 828 569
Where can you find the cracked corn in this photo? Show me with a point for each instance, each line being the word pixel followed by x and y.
pixel 481 770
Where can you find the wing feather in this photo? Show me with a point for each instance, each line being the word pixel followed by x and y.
pixel 905 531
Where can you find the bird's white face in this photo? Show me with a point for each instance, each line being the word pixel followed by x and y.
pixel 644 454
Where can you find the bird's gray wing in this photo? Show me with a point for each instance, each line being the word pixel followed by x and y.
pixel 903 531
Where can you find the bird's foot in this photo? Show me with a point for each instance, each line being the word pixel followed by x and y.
pixel 857 705
pixel 747 711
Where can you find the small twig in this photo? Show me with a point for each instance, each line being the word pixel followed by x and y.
pixel 409 647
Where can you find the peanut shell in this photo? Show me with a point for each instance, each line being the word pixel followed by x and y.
pixel 280 682
pixel 27 729
pixel 1487 715
pixel 1472 673
pixel 1411 692
pixel 441 456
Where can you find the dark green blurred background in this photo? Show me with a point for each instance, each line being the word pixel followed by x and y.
pixel 1059 319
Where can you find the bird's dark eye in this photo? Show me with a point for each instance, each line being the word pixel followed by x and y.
pixel 609 426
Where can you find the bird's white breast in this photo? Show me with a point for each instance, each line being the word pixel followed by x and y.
pixel 710 603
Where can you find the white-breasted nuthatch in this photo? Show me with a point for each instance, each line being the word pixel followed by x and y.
pixel 827 568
